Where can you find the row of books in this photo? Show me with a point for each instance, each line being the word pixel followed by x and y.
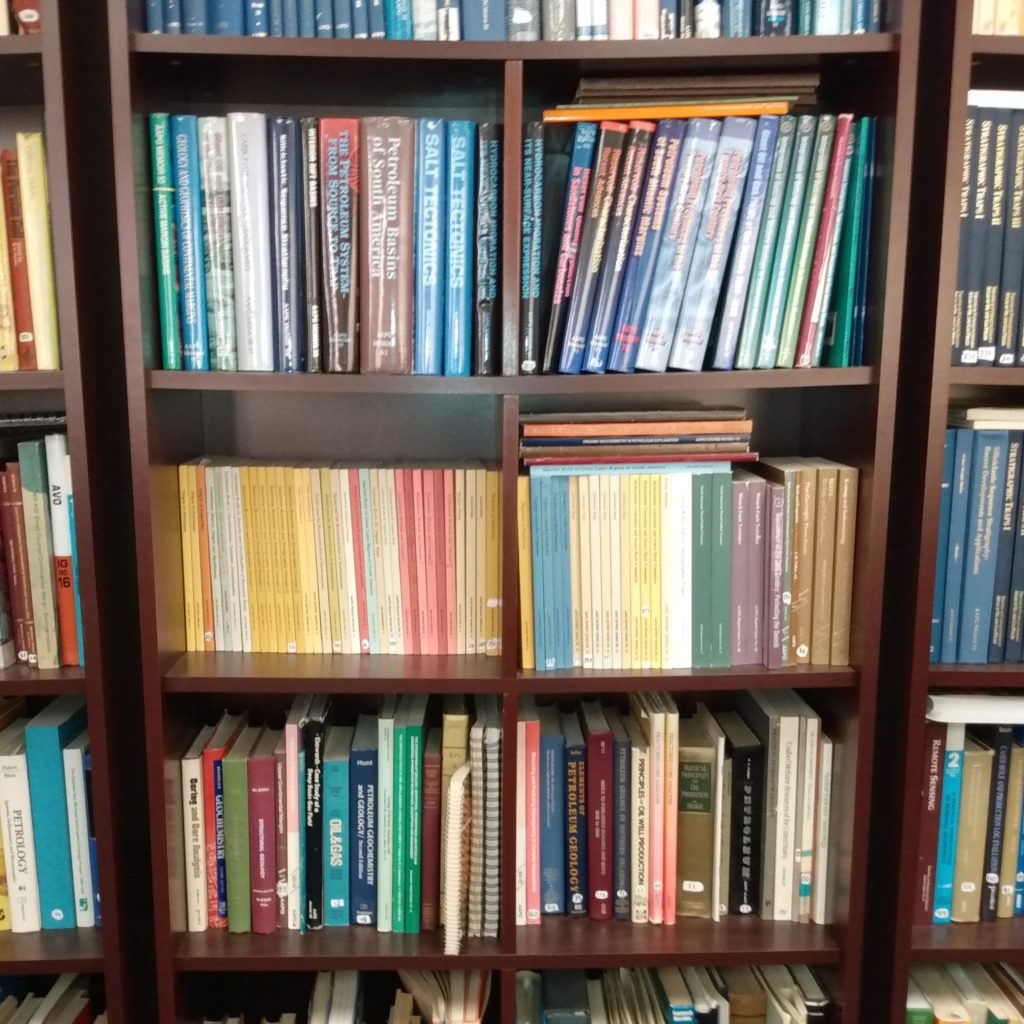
pixel 319 559
pixel 46 821
pixel 318 824
pixel 678 995
pixel 651 815
pixel 327 244
pixel 959 993
pixel 986 327
pixel 700 243
pixel 518 20
pixel 978 599
pixel 971 856
pixel 66 1001
pixel 676 565
pixel 40 598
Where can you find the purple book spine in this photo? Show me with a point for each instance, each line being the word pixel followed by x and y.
pixel 262 844
pixel 740 571
pixel 773 574
pixel 755 582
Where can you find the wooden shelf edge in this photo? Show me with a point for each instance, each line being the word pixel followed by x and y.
pixel 991 376
pixel 31 380
pixel 739 677
pixel 20 46
pixel 976 677
pixel 51 952
pixel 22 681
pixel 983 942
pixel 1003 46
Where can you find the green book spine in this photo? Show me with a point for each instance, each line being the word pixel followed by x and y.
pixel 721 569
pixel 785 245
pixel 703 521
pixel 844 294
pixel 919 1015
pixel 35 491
pixel 400 840
pixel 236 843
pixel 163 222
pixel 750 333
pixel 806 241
pixel 413 888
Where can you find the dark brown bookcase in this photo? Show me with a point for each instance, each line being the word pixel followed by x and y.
pixel 847 414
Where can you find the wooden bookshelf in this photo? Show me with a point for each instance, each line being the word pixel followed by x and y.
pixel 847 414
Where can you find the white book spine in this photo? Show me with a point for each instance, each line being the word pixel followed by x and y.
pixel 809 786
pixel 196 902
pixel 19 844
pixel 584 19
pixel 599 10
pixel 596 590
pixel 250 228
pixel 620 19
pixel 520 822
pixel 59 477
pixel 645 19
pixel 320 551
pixel 671 808
pixel 606 570
pixel 625 569
pixel 785 830
pixel 78 832
pixel 238 537
pixel 821 908
pixel 424 19
pixel 292 824
pixel 656 878
pixel 615 540
pixel 385 815
pixel 639 809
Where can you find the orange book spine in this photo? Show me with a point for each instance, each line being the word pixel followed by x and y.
pixel 430 547
pixel 420 548
pixel 65 589
pixel 357 558
pixel 405 562
pixel 449 561
pixel 570 115
pixel 441 579
pixel 206 580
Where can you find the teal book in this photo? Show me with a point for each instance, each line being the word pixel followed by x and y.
pixel 415 737
pixel 337 837
pixel 949 822
pixel 46 735
pixel 701 533
pixel 235 774
pixel 401 816
pixel 162 177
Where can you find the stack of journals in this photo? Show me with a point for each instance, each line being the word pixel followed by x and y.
pixel 978 602
pixel 643 815
pixel 46 818
pixel 317 559
pixel 700 243
pixel 671 565
pixel 66 1001
pixel 318 824
pixel 971 857
pixel 987 328
pixel 683 995
pixel 951 993
pixel 329 245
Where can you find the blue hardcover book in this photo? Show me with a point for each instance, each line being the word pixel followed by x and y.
pixel 323 19
pixel 531 251
pixel 337 837
pixel 540 640
pixel 458 340
pixel 1006 531
pixel 864 250
pixel 343 19
pixel 398 19
pixel 575 815
pixel 154 15
pixel 275 12
pixel 188 209
pixel 988 480
pixel 360 20
pixel 290 17
pixel 376 16
pixel 74 576
pixel 737 18
pixel 949 820
pixel 287 261
pixel 363 809
pixel 552 811
pixel 747 231
pixel 366 515
pixel 172 16
pixel 46 735
pixel 308 18
pixel 257 18
pixel 302 838
pixel 643 251
pixel 954 568
pixel 483 20
pixel 945 501
pixel 562 576
pixel 431 251
pixel 227 17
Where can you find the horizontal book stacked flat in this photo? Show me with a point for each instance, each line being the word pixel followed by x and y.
pixel 334 245
pixel 391 822
pixel 321 559
pixel 952 993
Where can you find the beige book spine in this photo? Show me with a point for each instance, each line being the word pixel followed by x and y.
pixel 824 566
pixel 575 582
pixel 615 558
pixel 624 570
pixel 454 754
pixel 348 624
pixel 379 562
pixel 460 563
pixel 40 573
pixel 725 850
pixel 277 550
pixel 297 633
pixel 470 574
pixel 231 579
pixel 842 584
pixel 269 556
pixel 188 586
pixel 242 582
pixel 658 486
pixel 803 566
pixel 671 837
pixel 970 836
pixel 332 563
pixel 586 593
pixel 1011 830
pixel 318 524
pixel 311 594
pixel 606 571
pixel 696 840
pixel 480 586
pixel 636 602
pixel 524 535
pixel 596 586
pixel 493 588
pixel 252 569
pixel 261 560
pixel 646 551
pixel 196 556
pixel 349 541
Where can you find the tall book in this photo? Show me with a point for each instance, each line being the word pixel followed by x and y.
pixel 431 245
pixel 337 839
pixel 162 176
pixel 461 190
pixel 262 817
pixel 487 294
pixel 39 548
pixel 969 873
pixel 696 821
pixel 363 809
pixel 312 200
pixel 59 484
pixel 236 828
pixel 431 832
pixel 314 732
pixel 552 811
pixel 599 810
pixel 576 815
pixel 76 779
pixel 531 235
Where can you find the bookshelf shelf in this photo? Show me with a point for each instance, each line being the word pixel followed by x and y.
pixel 979 677
pixel 51 952
pixel 32 380
pixel 20 46
pixel 20 680
pixel 987 376
pixel 987 941
pixel 1003 46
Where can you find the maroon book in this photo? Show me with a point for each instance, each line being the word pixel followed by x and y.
pixel 12 516
pixel 280 832
pixel 599 810
pixel 263 832
pixel 430 855
pixel 441 580
pixel 931 808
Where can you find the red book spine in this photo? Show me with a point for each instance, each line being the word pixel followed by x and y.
pixel 24 327
pixel 420 546
pixel 26 13
pixel 430 558
pixel 357 558
pixel 406 563
pixel 928 834
pixel 532 821
pixel 450 602
pixel 263 844
pixel 216 919
pixel 430 884
pixel 441 578
pixel 12 523
pixel 599 824
pixel 280 836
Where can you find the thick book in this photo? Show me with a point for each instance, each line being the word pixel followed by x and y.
pixel 1000 739
pixel 58 473
pixel 458 274
pixel 340 185
pixel 431 245
pixel 35 502
pixel 337 839
pixel 599 810
pixel 1004 532
pixel 235 770
pixel 949 819
pixel 162 177
pixel 552 812
pixel 76 786
pixel 942 549
pixel 430 854
pixel 16 824
pixel 364 815
pixel 15 223
pixel 311 203
pixel 531 251
pixel 695 865
pixel 262 810
pixel 313 732
pixel 484 21
pixel 931 797
pixel 1011 831
pixel 622 837
pixel 576 816
pixel 487 248
pixel 1012 265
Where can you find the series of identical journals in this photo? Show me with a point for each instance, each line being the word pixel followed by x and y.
pixel 978 602
pixel 318 824
pixel 699 243
pixel 997 18
pixel 681 995
pixel 515 20
pixel 317 559
pixel 648 815
pixel 289 244
pixel 638 561
pixel 971 856
pixel 959 993
pixel 66 1001
pixel 46 820
pixel 987 328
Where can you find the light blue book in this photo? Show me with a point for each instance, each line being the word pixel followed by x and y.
pixel 46 735
pixel 337 840
pixel 942 549
pixel 360 20
pixel 431 248
pixel 552 646
pixel 949 821
pixel 737 19
pixel 194 20
pixel 561 579
pixel 307 18
pixel 323 19
pixel 275 14
pixel 954 567
pixel 172 16
pixel 398 19
pixel 458 340
pixel 483 20
pixel 537 546
pixel 343 19
pixel 257 18
pixel 290 18
pixel 227 17
pixel 369 569
pixel 154 15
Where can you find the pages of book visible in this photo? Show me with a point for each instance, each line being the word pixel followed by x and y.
pixel 474 926
pixel 492 818
pixel 978 709
pixel 457 827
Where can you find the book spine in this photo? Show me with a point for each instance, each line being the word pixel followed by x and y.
pixel 363 803
pixel 949 816
pixel 431 246
pixel 459 263
pixel 376 19
pixel 294 789
pixel 1012 267
pixel 703 573
pixel 307 19
pixel 313 746
pixel 413 815
pixel 193 818
pixel 980 212
pixel 78 832
pixel 337 843
pixel 398 19
pixel 360 19
pixel 386 316
pixel 531 234
pixel 552 824
pixel 193 17
pixel 600 826
pixel 775 549
pixel 164 232
pixel 280 882
pixel 484 21
pixel 967 174
pixel 721 568
pixel 288 18
pixel 39 548
pixel 386 836
pixel 343 28
pixel 486 303
pixel 559 20
pixel 19 844
pixel 1002 746
pixel 262 839
pixel 59 483
pixel 954 568
pixel 430 854
pixel 257 18
pixel 401 826
pixel 154 16
pixel 576 829
pixel 309 135
pixel 1004 539
pixel 994 234
pixel 1015 624
pixel 747 826
pixel 449 14
pixel 639 858
pixel 523 21
pixel 238 884
pixel 739 593
pixel 774 18
pixel 213 808
pixel 424 19
pixel 340 184
pixel 227 17
pixel 622 836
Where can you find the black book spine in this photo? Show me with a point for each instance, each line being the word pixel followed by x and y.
pixel 977 238
pixel 774 18
pixel 311 212
pixel 313 733
pixel 967 173
pixel 994 240
pixel 1004 552
pixel 747 810
pixel 486 295
pixel 622 837
pixel 1000 738
pixel 530 251
pixel 1013 245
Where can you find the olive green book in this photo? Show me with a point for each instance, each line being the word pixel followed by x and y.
pixel 969 871
pixel 235 767
pixel 695 860
pixel 35 495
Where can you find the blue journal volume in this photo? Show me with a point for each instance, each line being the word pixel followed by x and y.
pixel 363 808
pixel 323 19
pixel 552 812
pixel 154 15
pixel 227 17
pixel 376 13
pixel 945 501
pixel 949 820
pixel 483 20
pixel 343 19
pixel 194 21
pixel 172 16
pixel 189 224
pixel 257 18
pixel 398 19
pixel 431 251
pixel 307 19
pixel 537 544
pixel 360 19
pixel 46 735
pixel 458 340
pixel 337 838
pixel 1006 530
pixel 290 17
pixel 576 815
pixel 955 548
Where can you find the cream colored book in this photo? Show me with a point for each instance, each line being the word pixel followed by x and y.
pixel 606 570
pixel 269 555
pixel 461 626
pixel 969 871
pixel 941 994
pixel 318 526
pixel 480 587
pixel 636 606
pixel 624 570
pixel 347 572
pixel 332 564
pixel 195 556
pixel 596 586
pixel 575 580
pixel 646 548
pixel 650 717
pixel 307 567
pixel 842 584
pixel 35 209
pixel 389 542
pixel 658 483
pixel 262 559
pixel 188 587
pixel 985 17
pixel 470 575
pixel 8 335
pixel 252 570
pixel 615 571
pixel 803 563
pixel 824 561
pixel 524 536
pixel 492 592
pixel 822 911
pixel 454 754
pixel 586 593
pixel 226 578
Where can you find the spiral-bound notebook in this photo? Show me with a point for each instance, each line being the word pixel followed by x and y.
pixel 458 826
